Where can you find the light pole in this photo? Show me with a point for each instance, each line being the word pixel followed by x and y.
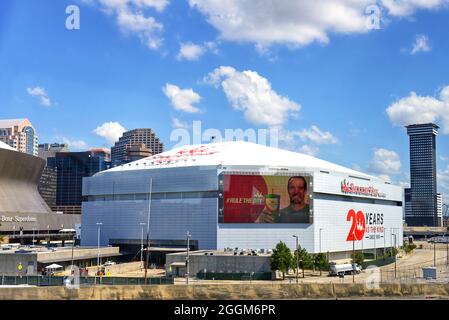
pixel 353 258
pixel 447 250
pixel 320 239
pixel 188 258
pixel 434 252
pixel 73 245
pixel 297 257
pixel 99 224
pixel 141 243
pixel 394 251
pixel 147 256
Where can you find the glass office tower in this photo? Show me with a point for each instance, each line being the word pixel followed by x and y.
pixel 423 178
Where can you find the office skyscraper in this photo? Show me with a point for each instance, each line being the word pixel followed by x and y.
pixel 120 153
pixel 423 178
pixel 72 167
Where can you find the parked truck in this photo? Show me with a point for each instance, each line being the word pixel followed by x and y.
pixel 342 269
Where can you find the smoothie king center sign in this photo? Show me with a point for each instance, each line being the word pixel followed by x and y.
pixel 364 224
pixel 348 187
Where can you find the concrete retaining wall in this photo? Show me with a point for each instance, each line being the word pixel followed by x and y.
pixel 226 291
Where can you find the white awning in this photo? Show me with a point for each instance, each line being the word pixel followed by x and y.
pixel 53 266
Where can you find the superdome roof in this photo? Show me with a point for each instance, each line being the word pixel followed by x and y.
pixel 234 153
pixel 5 146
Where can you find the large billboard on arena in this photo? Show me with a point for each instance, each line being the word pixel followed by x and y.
pixel 266 199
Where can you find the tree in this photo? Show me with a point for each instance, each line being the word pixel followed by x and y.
pixel 305 259
pixel 358 257
pixel 320 262
pixel 281 259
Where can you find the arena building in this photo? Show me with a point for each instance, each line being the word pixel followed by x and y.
pixel 24 215
pixel 241 195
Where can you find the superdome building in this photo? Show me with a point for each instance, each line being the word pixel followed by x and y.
pixel 22 210
pixel 241 195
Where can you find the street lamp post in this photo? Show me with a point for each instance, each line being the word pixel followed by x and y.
pixel 99 224
pixel 188 257
pixel 395 258
pixel 73 245
pixel 447 250
pixel 147 256
pixel 434 252
pixel 141 243
pixel 297 257
pixel 353 256
pixel 321 273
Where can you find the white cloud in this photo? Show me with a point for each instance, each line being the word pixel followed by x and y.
pixel 41 94
pixel 251 93
pixel 132 19
pixel 76 145
pixel 296 23
pixel 416 109
pixel 300 23
pixel 190 51
pixel 385 162
pixel 309 150
pixel 111 131
pixel 421 44
pixel 402 8
pixel 315 135
pixel 443 158
pixel 178 124
pixel 384 177
pixel 182 99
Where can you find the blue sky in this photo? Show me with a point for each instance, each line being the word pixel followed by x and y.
pixel 312 69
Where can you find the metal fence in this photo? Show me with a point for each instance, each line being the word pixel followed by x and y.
pixel 83 281
pixel 234 276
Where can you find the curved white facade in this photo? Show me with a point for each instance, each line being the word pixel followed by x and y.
pixel 186 196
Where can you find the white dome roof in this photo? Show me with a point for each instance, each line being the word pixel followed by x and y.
pixel 5 146
pixel 234 153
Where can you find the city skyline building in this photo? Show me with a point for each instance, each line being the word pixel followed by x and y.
pixel 423 177
pixel 72 167
pixel 20 135
pixel 46 150
pixel 136 136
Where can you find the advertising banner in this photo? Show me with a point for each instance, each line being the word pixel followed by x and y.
pixel 266 199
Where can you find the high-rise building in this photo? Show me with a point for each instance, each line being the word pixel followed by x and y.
pixel 423 180
pixel 19 134
pixel 137 151
pixel 47 185
pixel 72 167
pixel 407 203
pixel 145 136
pixel 440 209
pixel 47 150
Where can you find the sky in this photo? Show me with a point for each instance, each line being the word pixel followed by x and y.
pixel 337 79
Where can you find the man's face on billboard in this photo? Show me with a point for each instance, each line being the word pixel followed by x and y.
pixel 297 191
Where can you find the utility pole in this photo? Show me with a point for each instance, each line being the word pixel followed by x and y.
pixel 297 258
pixel 434 252
pixel 141 244
pixel 147 258
pixel 395 258
pixel 188 258
pixel 353 258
